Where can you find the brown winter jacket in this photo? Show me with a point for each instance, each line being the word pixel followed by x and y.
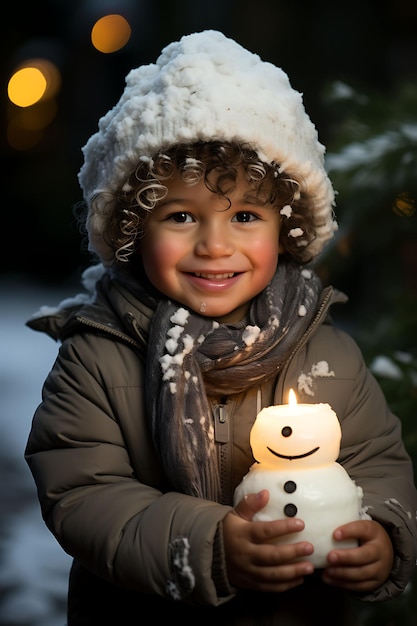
pixel 105 497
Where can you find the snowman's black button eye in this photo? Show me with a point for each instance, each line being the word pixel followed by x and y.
pixel 290 510
pixel 290 486
pixel 286 431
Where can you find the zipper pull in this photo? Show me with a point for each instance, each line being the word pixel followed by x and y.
pixel 132 323
pixel 221 424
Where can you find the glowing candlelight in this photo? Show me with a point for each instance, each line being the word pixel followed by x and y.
pixel 292 398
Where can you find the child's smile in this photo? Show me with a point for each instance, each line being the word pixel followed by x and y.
pixel 215 282
pixel 211 257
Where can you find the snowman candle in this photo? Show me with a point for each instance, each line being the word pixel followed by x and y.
pixel 295 447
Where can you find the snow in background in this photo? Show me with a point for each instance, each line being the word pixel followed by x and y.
pixel 33 567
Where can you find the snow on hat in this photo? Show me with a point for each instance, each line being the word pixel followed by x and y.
pixel 206 87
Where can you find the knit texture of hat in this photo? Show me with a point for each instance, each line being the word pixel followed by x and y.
pixel 207 87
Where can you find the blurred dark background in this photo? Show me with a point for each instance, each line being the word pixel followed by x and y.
pixel 356 65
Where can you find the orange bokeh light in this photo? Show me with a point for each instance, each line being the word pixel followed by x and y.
pixel 26 86
pixel 31 90
pixel 110 33
pixel 35 80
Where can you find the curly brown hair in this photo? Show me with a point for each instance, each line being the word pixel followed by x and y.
pixel 218 164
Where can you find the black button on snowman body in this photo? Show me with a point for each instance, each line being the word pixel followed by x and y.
pixel 296 447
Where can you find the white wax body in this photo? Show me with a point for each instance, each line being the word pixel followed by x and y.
pixel 325 498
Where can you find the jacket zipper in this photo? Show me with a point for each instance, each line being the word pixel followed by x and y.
pixel 323 306
pixel 222 439
pixel 109 330
pixel 221 424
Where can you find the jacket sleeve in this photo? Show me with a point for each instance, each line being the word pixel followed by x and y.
pixel 372 449
pixel 100 486
pixel 380 464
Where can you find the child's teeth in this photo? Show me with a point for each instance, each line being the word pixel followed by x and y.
pixel 214 276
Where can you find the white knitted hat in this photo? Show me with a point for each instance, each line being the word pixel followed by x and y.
pixel 207 87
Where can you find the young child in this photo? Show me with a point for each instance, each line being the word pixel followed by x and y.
pixel 206 201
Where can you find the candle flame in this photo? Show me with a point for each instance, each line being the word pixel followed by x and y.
pixel 292 398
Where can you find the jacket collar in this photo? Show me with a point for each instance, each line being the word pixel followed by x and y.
pixel 108 306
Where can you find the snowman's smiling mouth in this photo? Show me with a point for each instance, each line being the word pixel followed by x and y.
pixel 291 458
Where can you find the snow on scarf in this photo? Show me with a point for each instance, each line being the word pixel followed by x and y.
pixel 191 356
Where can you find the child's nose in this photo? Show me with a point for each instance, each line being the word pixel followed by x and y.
pixel 214 241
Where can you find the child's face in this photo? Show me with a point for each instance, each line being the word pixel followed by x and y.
pixel 206 256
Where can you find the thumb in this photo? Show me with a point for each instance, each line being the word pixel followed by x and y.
pixel 251 504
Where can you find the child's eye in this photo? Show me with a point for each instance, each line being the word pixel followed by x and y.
pixel 181 217
pixel 244 216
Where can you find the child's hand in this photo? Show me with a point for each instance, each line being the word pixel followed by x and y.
pixel 366 567
pixel 253 560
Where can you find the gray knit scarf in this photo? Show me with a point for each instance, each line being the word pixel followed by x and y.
pixel 191 357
